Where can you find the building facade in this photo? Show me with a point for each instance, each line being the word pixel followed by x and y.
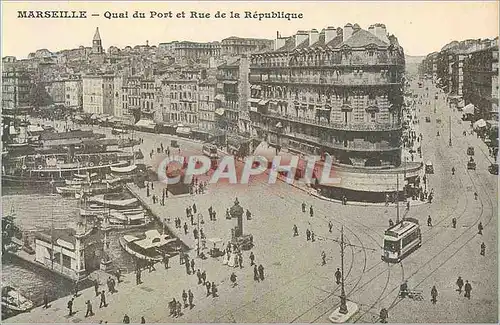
pixel 206 105
pixel 337 93
pixel 73 94
pixel 16 87
pixel 98 94
pixel 240 46
pixel 196 50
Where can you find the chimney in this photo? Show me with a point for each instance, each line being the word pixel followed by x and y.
pixel 371 29
pixel 279 42
pixel 348 30
pixel 300 37
pixel 313 36
pixel 330 34
pixel 381 32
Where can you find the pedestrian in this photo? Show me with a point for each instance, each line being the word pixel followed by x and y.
pixel 214 290
pixel 203 277
pixel 172 306
pixel 408 205
pixel 45 300
pixel 89 309
pixel 190 298
pixel 118 275
pixel 312 236
pixel 185 228
pixel 194 207
pixel 178 309
pixel 483 249
pixel 103 300
pixel 384 314
pixel 295 231
pixel 330 226
pixel 143 320
pixel 138 277
pixel 76 288
pixel 165 261
pixel 184 298
pixel 480 228
pixel 233 279
pixel 454 223
pixel 468 289
pixel 252 258
pixel 70 306
pixel 460 284
pixel 240 260
pixel 429 221
pixel 192 265
pixel 208 285
pixel 198 274
pixel 261 272
pixel 195 233
pixel 308 234
pixel 338 276
pixel 323 258
pixel 303 207
pixel 434 294
pixel 311 211
pixel 96 287
pixel 256 273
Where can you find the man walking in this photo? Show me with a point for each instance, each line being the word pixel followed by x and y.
pixel 429 221
pixel 261 272
pixel 454 223
pixel 308 234
pixel 256 273
pixel 480 228
pixel 323 258
pixel 89 309
pixel 184 298
pixel 338 276
pixel 203 277
pixel 185 228
pixel 191 298
pixel 103 300
pixel 70 307
pixel 295 231
pixel 468 289
pixel 460 284
pixel 45 300
pixel 330 226
pixel 165 261
pixel 311 211
pixel 208 288
pixel 303 207
pixel 198 274
pixel 252 258
pixel 483 249
pixel 192 265
pixel 434 294
pixel 96 287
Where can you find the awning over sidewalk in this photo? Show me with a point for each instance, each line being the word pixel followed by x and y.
pixel 148 124
pixel 479 124
pixel 184 130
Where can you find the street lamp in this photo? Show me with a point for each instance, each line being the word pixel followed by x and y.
pixel 449 143
pixel 199 235
pixel 343 303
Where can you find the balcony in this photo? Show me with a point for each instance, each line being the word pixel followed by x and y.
pixel 337 125
pixel 346 80
pixel 336 62
pixel 361 146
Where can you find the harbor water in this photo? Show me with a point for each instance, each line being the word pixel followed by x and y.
pixel 37 210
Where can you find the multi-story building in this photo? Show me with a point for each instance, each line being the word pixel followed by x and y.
pixel 206 105
pixel 238 46
pixel 481 80
pixel 57 91
pixel 337 93
pixel 16 87
pixel 98 94
pixel 148 89
pixel 131 100
pixel 73 93
pixel 196 50
pixel 233 89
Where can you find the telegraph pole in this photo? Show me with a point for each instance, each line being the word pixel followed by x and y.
pixel 343 305
pixel 397 198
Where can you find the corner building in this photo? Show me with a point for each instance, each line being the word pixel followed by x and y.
pixel 337 92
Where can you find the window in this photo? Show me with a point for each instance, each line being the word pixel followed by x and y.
pixel 391 246
pixel 411 238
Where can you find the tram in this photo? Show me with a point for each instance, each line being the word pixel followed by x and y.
pixel 401 239
pixel 210 151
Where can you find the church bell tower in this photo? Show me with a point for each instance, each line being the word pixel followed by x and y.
pixel 97 43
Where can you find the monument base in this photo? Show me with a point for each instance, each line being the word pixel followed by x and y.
pixel 337 317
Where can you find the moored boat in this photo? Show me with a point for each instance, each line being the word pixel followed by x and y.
pixel 14 301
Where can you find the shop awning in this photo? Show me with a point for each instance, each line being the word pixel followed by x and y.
pixel 253 109
pixel 254 100
pixel 219 111
pixel 231 82
pixel 469 109
pixel 263 102
pixel 145 124
pixel 219 97
pixel 183 130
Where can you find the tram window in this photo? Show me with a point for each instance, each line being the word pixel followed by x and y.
pixel 391 246
pixel 410 238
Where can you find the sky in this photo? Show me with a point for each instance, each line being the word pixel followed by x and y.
pixel 421 27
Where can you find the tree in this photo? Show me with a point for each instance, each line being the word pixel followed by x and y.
pixel 39 96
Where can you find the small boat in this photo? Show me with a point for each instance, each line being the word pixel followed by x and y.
pixel 68 190
pixel 152 248
pixel 77 181
pixel 101 210
pixel 113 203
pixel 85 175
pixel 14 301
pixel 126 169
